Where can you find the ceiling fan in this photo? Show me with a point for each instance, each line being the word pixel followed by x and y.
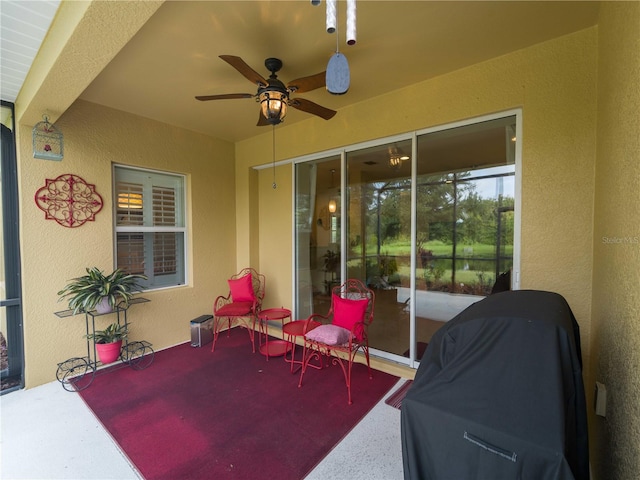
pixel 273 95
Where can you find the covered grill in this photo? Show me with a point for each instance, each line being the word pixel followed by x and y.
pixel 499 395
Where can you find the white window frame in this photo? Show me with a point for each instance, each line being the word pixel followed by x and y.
pixel 181 275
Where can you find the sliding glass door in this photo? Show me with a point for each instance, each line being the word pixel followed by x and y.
pixel 465 197
pixel 427 220
pixel 378 235
pixel 317 230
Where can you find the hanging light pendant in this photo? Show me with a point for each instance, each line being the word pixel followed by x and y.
pixel 274 105
pixel 274 97
pixel 333 206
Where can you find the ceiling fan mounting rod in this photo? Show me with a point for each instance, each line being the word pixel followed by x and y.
pixel 273 65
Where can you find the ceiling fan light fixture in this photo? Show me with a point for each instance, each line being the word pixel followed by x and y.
pixel 274 105
pixel 396 157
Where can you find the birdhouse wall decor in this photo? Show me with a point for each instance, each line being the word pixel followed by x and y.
pixel 48 143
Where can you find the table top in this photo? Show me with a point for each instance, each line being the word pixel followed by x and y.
pixel 274 314
pixel 296 328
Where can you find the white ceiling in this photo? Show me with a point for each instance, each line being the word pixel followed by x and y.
pixel 174 56
pixel 24 25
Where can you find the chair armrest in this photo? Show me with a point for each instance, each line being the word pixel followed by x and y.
pixel 308 326
pixel 220 302
pixel 361 326
pixel 319 318
pixel 257 306
pixel 312 322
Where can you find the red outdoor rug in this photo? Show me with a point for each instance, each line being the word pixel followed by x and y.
pixel 230 414
pixel 396 398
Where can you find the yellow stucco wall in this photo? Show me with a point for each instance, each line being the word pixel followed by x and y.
pixel 615 440
pixel 554 83
pixel 94 138
pixel 580 100
pixel 275 254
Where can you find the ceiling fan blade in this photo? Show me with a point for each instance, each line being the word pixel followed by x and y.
pixel 249 73
pixel 225 96
pixel 306 84
pixel 311 107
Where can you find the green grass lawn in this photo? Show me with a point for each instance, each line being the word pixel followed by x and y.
pixel 438 248
pixel 477 258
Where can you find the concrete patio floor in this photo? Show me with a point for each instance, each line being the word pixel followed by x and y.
pixel 48 433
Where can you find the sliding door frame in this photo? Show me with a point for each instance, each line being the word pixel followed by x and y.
pixel 413 136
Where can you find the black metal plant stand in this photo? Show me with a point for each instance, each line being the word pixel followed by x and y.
pixel 77 373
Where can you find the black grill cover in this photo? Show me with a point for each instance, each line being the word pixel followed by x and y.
pixel 499 395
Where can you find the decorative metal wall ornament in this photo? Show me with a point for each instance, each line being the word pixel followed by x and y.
pixel 48 143
pixel 69 200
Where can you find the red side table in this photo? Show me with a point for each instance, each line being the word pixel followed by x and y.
pixel 293 330
pixel 273 348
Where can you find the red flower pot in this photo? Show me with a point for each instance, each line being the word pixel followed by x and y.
pixel 108 352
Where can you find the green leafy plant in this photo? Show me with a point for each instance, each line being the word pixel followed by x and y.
pixel 112 333
pixel 331 260
pixel 85 292
pixel 388 265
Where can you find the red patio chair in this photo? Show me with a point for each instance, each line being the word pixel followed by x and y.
pixel 242 304
pixel 342 332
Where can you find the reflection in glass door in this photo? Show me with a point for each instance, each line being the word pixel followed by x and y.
pixel 430 235
pixel 378 235
pixel 465 196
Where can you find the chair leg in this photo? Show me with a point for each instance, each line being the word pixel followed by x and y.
pixel 307 355
pixel 303 365
pixel 346 371
pixel 347 374
pixel 352 356
pixel 216 330
pixel 365 348
pixel 252 337
pixel 349 380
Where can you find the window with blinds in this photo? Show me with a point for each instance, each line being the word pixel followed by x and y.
pixel 150 226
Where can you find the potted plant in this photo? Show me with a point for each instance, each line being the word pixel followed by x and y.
pixel 331 261
pixel 101 292
pixel 108 342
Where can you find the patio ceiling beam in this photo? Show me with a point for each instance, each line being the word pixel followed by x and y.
pixel 84 37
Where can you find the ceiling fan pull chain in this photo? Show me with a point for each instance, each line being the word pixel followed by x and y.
pixel 273 130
